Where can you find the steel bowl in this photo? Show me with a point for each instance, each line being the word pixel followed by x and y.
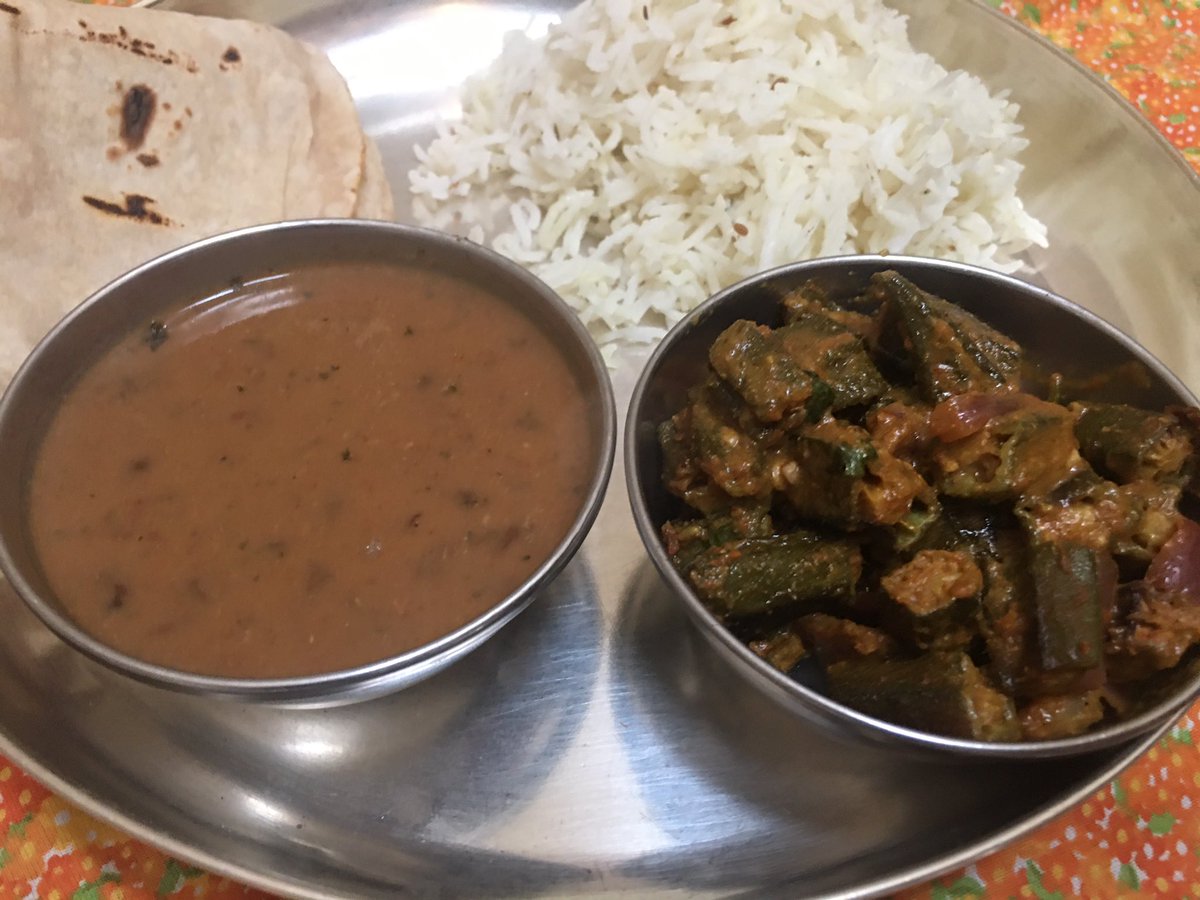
pixel 203 269
pixel 1055 332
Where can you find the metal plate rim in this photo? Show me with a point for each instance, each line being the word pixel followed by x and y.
pixel 900 880
pixel 89 801
pixel 1129 111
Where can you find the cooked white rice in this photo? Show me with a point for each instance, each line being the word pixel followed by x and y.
pixel 642 155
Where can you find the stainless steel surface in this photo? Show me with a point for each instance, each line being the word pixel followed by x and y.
pixel 596 745
pixel 205 269
pixel 1054 332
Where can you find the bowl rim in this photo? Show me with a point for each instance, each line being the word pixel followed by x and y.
pixel 391 672
pixel 809 702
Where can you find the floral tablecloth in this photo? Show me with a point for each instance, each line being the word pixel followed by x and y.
pixel 1138 837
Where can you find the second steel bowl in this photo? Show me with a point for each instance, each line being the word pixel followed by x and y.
pixel 1055 333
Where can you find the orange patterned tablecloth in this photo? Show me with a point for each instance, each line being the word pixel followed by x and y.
pixel 1138 837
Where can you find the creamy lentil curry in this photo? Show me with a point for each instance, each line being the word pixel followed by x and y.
pixel 309 472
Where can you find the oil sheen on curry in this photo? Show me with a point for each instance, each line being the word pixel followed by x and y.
pixel 310 472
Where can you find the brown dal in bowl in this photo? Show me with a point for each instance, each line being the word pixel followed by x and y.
pixel 310 472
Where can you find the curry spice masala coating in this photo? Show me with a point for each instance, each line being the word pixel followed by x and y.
pixel 962 547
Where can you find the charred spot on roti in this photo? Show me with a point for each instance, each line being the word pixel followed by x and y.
pixel 136 206
pixel 137 112
pixel 149 160
pixel 113 153
pixel 11 10
pixel 232 55
pixel 122 40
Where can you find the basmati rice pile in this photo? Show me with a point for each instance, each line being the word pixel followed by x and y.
pixel 646 153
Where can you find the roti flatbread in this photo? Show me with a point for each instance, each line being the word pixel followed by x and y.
pixel 374 192
pixel 127 133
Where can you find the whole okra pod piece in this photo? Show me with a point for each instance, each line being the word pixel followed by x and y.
pixel 1070 618
pixel 836 355
pixel 952 351
pixel 1129 444
pixel 942 692
pixel 764 375
pixel 758 575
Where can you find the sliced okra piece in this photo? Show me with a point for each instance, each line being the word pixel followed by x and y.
pixel 782 648
pixel 940 692
pixel 811 297
pixel 836 355
pixel 1027 450
pixel 934 599
pixel 1151 515
pixel 758 575
pixel 833 639
pixel 1133 521
pixel 1068 580
pixel 1129 444
pixel 1011 624
pixel 835 473
pixel 823 473
pixel 722 449
pixel 950 350
pixel 1085 509
pixel 917 523
pixel 686 539
pixel 1007 616
pixel 674 440
pixel 682 475
pixel 763 374
pixel 970 527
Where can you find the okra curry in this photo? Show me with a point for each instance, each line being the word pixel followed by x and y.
pixel 884 488
pixel 309 472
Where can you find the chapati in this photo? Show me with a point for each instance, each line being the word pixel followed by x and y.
pixel 126 133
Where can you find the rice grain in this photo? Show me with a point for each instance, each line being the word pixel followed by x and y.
pixel 641 156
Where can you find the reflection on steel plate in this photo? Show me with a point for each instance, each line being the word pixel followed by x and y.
pixel 597 744
pixel 410 57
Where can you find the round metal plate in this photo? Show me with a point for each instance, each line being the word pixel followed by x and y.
pixel 597 744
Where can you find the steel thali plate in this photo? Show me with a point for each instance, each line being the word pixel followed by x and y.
pixel 596 745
